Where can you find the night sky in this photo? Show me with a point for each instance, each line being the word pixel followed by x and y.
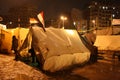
pixel 51 8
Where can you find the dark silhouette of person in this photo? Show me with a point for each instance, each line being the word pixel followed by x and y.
pixel 32 54
pixel 35 59
pixel 15 46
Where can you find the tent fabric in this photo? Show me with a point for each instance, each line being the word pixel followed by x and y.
pixel 59 48
pixel 108 42
pixel 20 33
pixel 63 61
pixel 58 41
pixel 90 37
pixel 5 39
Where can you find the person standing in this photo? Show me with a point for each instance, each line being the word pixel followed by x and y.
pixel 32 54
pixel 15 46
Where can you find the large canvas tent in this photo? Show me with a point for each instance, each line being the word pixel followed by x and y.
pixel 56 48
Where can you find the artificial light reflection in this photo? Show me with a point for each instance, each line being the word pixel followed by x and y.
pixel 63 18
pixel 70 32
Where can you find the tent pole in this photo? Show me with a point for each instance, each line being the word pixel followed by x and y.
pixel 43 27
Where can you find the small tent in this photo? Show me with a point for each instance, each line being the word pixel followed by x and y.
pixel 108 42
pixel 58 48
pixel 6 38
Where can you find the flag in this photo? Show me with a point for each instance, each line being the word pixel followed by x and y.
pixel 41 18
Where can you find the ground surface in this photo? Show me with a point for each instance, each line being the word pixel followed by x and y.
pixel 17 70
pixel 104 69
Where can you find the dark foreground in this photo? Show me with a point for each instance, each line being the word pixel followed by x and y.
pixel 105 69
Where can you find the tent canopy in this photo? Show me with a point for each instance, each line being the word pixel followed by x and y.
pixel 59 48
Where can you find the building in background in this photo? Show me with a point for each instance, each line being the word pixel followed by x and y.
pixel 20 16
pixel 79 19
pixel 102 13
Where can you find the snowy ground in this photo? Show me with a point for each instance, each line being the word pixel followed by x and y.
pixel 104 69
pixel 17 70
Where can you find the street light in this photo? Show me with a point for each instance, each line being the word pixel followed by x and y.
pixel 74 23
pixel 93 21
pixel 112 16
pixel 63 18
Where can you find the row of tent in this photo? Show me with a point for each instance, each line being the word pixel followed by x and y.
pixel 61 48
pixel 100 40
pixel 6 38
pixel 56 48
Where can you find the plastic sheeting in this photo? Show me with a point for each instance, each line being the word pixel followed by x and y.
pixel 56 63
pixel 58 41
pixel 108 42
pixel 60 48
pixel 20 33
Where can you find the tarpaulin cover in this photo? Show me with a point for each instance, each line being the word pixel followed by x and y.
pixel 108 42
pixel 60 48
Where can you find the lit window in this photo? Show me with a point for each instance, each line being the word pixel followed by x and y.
pixel 95 3
pixel 113 15
pixel 103 7
pixel 89 7
pixel 106 7
pixel 113 7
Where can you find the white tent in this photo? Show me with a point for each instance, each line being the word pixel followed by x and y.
pixel 108 42
pixel 60 48
pixel 5 39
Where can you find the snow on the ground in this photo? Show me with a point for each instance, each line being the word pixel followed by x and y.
pixel 17 70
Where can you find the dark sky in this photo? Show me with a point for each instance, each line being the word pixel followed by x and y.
pixel 51 8
pixel 59 7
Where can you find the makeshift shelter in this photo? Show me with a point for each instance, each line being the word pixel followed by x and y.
pixel 6 38
pixel 108 42
pixel 56 48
